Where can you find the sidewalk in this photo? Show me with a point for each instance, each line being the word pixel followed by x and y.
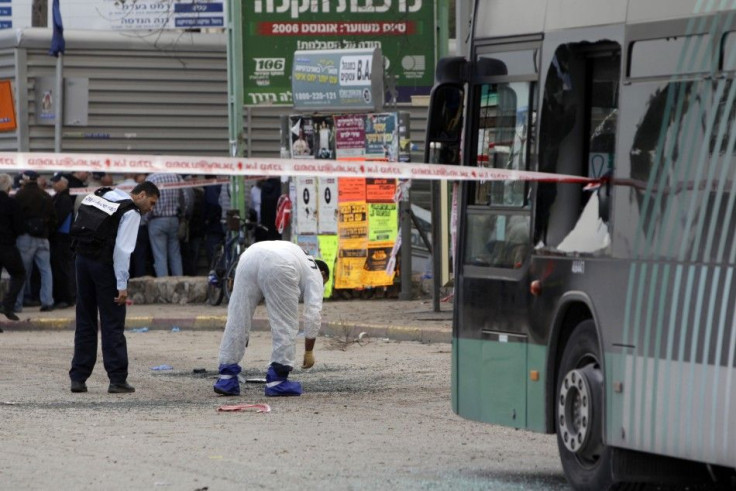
pixel 412 320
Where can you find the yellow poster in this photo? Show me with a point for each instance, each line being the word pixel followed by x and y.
pixel 352 221
pixel 352 230
pixel 328 253
pixel 351 259
pixel 374 273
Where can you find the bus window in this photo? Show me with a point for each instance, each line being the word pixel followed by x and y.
pixel 577 137
pixel 728 58
pixel 499 240
pixel 671 56
pixel 504 126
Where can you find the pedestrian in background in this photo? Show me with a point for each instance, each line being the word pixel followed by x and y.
pixel 214 232
pixel 39 219
pixel 100 180
pixel 279 272
pixel 11 225
pixel 62 256
pixel 195 231
pixel 270 192
pixel 163 226
pixel 104 237
pixel 77 180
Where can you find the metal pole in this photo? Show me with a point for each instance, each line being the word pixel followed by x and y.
pixel 405 225
pixel 438 231
pixel 59 102
pixel 235 97
pixel 405 220
pixel 437 244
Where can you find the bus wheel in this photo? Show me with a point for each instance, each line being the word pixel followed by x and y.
pixel 585 458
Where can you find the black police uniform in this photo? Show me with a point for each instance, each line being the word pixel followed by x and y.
pixel 94 233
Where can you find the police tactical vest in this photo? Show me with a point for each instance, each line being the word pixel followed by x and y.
pixel 96 227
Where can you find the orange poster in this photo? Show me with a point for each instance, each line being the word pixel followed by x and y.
pixel 7 107
pixel 380 190
pixel 350 189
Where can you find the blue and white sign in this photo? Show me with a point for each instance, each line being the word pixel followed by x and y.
pixel 143 14
pixel 15 14
pixel 338 80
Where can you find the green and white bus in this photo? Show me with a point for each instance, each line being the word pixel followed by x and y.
pixel 605 314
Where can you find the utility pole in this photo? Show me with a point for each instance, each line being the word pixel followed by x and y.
pixel 235 97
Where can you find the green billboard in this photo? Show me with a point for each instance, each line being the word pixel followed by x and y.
pixel 274 29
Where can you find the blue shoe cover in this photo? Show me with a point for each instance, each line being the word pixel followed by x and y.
pixel 228 384
pixel 279 386
pixel 283 388
pixel 272 376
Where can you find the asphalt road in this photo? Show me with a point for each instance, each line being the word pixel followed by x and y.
pixel 374 415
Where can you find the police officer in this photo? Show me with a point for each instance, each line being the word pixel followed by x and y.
pixel 104 235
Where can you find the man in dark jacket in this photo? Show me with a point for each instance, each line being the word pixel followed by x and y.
pixel 62 257
pixel 10 227
pixel 39 219
pixel 214 233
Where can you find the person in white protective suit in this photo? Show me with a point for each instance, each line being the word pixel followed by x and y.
pixel 281 272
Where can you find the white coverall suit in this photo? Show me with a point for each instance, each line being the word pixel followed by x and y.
pixel 281 272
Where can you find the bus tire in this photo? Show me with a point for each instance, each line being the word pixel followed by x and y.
pixel 586 460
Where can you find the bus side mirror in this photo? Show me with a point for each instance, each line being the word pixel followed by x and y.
pixel 445 124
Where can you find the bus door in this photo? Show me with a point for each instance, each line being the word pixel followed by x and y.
pixel 492 300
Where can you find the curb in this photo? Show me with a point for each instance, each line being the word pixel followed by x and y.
pixel 217 322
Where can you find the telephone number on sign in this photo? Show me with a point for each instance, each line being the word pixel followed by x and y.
pixel 315 96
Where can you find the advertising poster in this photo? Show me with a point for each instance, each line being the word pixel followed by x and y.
pixel 324 137
pixel 375 265
pixel 379 190
pixel 306 205
pixel 323 247
pixel 301 137
pixel 274 31
pixel 381 137
pixel 327 211
pixel 309 244
pixel 117 15
pixel 7 106
pixel 339 80
pixel 350 189
pixel 328 252
pixel 352 228
pixel 382 210
pixel 382 222
pixel 350 136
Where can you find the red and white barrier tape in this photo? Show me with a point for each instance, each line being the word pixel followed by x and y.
pixel 232 166
pixel 191 183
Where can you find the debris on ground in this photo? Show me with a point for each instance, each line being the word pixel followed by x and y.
pixel 260 408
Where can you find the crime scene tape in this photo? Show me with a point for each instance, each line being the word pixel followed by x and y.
pixel 191 183
pixel 266 167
